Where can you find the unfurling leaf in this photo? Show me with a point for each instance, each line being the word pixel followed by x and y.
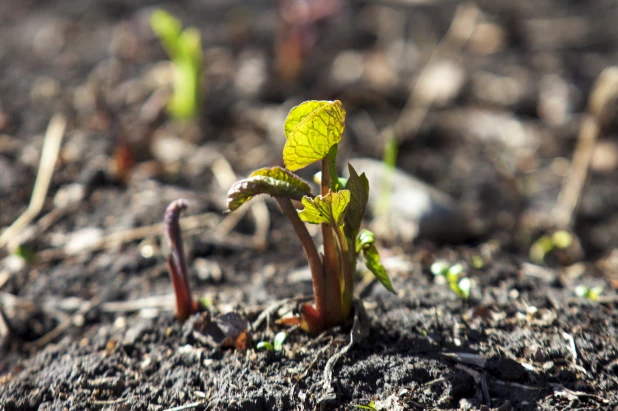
pixel 168 29
pixel 311 129
pixel 328 209
pixel 366 243
pixel 359 195
pixel 274 181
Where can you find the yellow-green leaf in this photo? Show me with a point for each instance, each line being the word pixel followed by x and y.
pixel 274 181
pixel 325 209
pixel 168 29
pixel 311 129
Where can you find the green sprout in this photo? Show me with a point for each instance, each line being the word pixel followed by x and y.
pixel 451 273
pixel 546 244
pixel 313 131
pixel 184 48
pixel 370 406
pixel 389 161
pixel 591 294
pixel 277 344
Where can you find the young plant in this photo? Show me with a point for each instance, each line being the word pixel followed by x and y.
pixel 277 344
pixel 185 305
pixel 313 131
pixel 591 294
pixel 559 240
pixel 184 48
pixel 451 274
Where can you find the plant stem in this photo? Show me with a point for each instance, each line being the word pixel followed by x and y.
pixel 185 306
pixel 313 257
pixel 331 259
pixel 348 273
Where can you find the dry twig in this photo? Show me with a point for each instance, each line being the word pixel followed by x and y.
pixel 603 93
pixel 49 155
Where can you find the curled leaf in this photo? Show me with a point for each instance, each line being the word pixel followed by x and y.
pixel 328 209
pixel 366 243
pixel 359 195
pixel 274 181
pixel 311 129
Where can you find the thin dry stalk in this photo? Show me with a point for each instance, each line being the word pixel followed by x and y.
pixel 49 155
pixel 604 92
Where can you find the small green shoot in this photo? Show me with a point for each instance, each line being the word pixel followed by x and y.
pixel 460 287
pixel 559 240
pixel 184 48
pixel 370 406
pixel 591 294
pixel 477 262
pixel 313 131
pixel 389 161
pixel 277 344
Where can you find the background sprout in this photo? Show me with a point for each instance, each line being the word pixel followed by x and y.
pixel 184 48
pixel 451 273
pixel 589 293
pixel 277 344
pixel 185 305
pixel 545 244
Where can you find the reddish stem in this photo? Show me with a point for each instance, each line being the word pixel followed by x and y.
pixel 316 323
pixel 185 306
pixel 332 268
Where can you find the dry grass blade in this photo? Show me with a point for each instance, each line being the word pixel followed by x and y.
pixel 49 155
pixel 604 92
pixel 65 325
pixel 414 112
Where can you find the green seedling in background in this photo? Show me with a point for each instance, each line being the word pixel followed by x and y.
pixel 313 131
pixel 451 273
pixel 371 406
pixel 184 48
pixel 546 244
pixel 277 344
pixel 389 161
pixel 590 293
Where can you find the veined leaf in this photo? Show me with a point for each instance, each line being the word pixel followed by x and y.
pixel 274 181
pixel 366 243
pixel 311 129
pixel 325 209
pixel 359 195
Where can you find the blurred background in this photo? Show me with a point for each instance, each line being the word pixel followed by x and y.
pixel 479 105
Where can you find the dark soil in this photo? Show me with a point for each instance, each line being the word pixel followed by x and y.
pixel 93 327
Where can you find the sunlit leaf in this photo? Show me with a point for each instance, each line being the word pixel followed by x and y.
pixel 265 345
pixel 311 129
pixel 359 195
pixel 326 209
pixel 274 181
pixel 279 340
pixel 464 286
pixel 366 243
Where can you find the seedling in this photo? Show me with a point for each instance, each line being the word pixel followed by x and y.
pixel 389 161
pixel 546 244
pixel 590 293
pixel 184 48
pixel 451 273
pixel 185 305
pixel 370 406
pixel 313 131
pixel 277 344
